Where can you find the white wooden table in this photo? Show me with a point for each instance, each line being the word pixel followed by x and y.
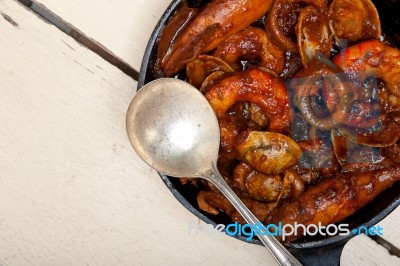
pixel 72 190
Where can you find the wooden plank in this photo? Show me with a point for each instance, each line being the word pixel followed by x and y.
pixel 123 26
pixel 361 250
pixel 72 191
pixel 391 228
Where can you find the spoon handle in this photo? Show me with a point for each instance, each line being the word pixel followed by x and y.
pixel 279 252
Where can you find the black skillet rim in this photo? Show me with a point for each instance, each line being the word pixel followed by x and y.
pixel 144 77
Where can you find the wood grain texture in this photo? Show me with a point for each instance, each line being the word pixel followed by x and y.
pixel 72 191
pixel 391 227
pixel 122 26
pixel 362 250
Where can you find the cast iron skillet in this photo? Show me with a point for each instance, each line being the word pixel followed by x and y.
pixel 310 251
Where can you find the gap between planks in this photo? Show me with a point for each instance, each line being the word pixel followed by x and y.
pixel 103 52
pixel 80 37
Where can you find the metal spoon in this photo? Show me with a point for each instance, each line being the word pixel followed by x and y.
pixel 173 129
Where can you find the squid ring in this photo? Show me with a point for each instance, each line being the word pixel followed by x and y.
pixel 321 76
pixel 274 21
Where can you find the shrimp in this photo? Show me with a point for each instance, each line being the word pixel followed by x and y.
pixel 218 20
pixel 371 58
pixel 251 44
pixel 256 86
pixel 334 199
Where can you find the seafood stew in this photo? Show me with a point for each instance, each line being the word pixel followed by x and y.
pixel 300 90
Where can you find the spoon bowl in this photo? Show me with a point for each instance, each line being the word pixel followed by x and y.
pixel 173 128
